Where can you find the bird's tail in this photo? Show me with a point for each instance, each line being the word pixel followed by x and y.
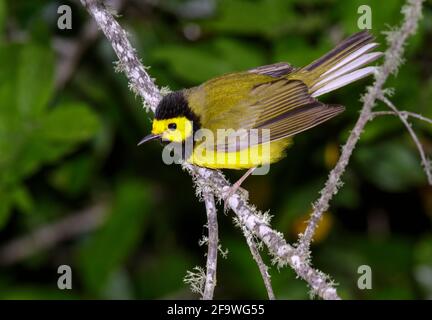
pixel 341 66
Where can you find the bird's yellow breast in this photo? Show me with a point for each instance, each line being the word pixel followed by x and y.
pixel 246 158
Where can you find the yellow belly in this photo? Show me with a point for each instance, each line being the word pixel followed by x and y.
pixel 244 159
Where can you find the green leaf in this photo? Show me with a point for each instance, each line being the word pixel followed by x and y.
pixel 73 176
pixel 35 80
pixel 111 245
pixel 29 137
pixel 54 135
pixel 23 199
pixel 30 134
pixel 13 196
pixel 68 123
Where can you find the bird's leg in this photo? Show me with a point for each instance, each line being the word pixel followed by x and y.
pixel 233 189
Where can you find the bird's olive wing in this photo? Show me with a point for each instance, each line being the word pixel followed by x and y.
pixel 283 107
pixel 290 109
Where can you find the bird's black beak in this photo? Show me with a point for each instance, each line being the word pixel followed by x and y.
pixel 150 137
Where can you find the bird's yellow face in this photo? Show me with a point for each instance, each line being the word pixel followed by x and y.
pixel 176 129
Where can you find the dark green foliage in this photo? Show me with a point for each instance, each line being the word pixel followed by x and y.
pixel 107 250
pixel 63 150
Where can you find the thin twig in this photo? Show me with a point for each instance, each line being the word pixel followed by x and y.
pixel 403 113
pixel 425 162
pixel 393 59
pixel 261 265
pixel 142 84
pixel 212 245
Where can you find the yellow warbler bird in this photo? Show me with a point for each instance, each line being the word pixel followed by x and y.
pixel 277 99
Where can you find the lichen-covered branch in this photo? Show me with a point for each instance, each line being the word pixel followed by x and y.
pixel 405 114
pixel 397 38
pixel 254 221
pixel 261 265
pixel 212 244
pixel 259 225
pixel 403 118
pixel 139 80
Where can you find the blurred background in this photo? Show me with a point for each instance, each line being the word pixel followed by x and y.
pixel 76 190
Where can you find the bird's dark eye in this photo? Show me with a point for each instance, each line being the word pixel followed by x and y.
pixel 172 126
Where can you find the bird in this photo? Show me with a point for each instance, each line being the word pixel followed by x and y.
pixel 279 100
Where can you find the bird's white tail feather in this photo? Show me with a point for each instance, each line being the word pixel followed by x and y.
pixel 368 47
pixel 364 59
pixel 344 80
pixel 346 71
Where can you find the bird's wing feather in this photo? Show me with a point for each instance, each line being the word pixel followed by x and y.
pixel 223 101
pixel 223 97
pixel 279 97
pixel 275 70
pixel 290 109
pixel 285 107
